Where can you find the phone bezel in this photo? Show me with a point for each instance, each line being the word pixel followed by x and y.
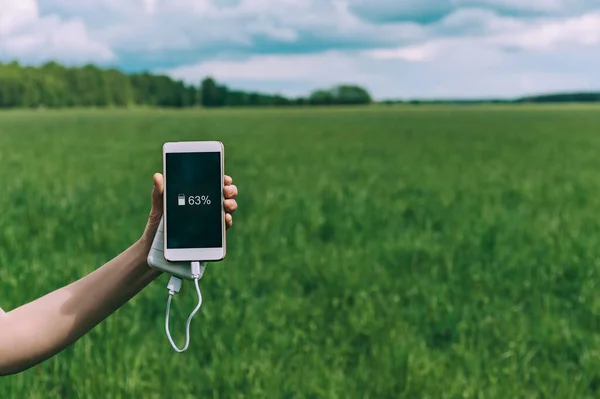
pixel 193 254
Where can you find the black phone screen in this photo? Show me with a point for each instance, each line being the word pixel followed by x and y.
pixel 193 200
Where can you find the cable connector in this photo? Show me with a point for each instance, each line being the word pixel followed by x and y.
pixel 174 285
pixel 198 270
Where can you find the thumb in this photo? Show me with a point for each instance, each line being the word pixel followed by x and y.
pixel 157 197
pixel 156 211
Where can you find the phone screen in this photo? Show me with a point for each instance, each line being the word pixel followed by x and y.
pixel 193 200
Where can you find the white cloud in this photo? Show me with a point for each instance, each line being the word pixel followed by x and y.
pixel 417 53
pixel 16 13
pixel 541 6
pixel 545 35
pixel 138 25
pixel 149 6
pixel 205 28
pixel 30 37
pixel 322 68
pixel 467 48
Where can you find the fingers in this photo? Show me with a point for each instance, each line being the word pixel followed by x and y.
pixel 230 191
pixel 230 205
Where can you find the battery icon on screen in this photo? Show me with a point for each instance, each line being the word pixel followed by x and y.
pixel 181 199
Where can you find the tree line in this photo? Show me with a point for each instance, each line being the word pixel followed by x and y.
pixel 581 97
pixel 575 97
pixel 53 85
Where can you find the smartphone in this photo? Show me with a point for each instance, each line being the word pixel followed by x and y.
pixel 194 217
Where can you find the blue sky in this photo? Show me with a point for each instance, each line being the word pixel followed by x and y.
pixel 395 48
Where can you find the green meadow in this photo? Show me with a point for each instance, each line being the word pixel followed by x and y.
pixel 377 252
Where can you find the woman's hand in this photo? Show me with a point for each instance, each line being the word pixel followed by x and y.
pixel 230 192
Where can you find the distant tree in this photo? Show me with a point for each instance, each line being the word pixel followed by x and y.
pixel 321 97
pixel 280 100
pixel 236 98
pixel 563 97
pixel 341 94
pixel 188 95
pixel 300 101
pixel 213 95
pixel 350 94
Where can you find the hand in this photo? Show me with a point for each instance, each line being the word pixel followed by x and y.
pixel 230 192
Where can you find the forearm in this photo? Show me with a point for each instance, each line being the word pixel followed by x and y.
pixel 44 327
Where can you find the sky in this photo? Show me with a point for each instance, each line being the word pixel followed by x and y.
pixel 395 48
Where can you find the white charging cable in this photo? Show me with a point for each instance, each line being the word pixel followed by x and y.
pixel 174 286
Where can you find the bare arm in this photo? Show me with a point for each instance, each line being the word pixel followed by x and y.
pixel 40 329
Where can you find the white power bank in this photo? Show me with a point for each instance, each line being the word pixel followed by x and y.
pixel 156 258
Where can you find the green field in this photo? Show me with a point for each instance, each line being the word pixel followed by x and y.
pixel 383 252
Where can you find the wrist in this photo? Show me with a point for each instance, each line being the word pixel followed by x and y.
pixel 141 248
pixel 144 243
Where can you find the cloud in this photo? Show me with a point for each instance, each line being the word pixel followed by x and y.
pixel 506 34
pixel 311 69
pixel 30 37
pixel 411 47
pixel 552 35
pixel 431 11
pixel 181 28
pixel 420 11
pixel 149 6
pixel 165 33
pixel 559 8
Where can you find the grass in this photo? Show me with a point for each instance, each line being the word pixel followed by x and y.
pixel 384 252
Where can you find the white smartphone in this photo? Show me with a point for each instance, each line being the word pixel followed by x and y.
pixel 194 218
